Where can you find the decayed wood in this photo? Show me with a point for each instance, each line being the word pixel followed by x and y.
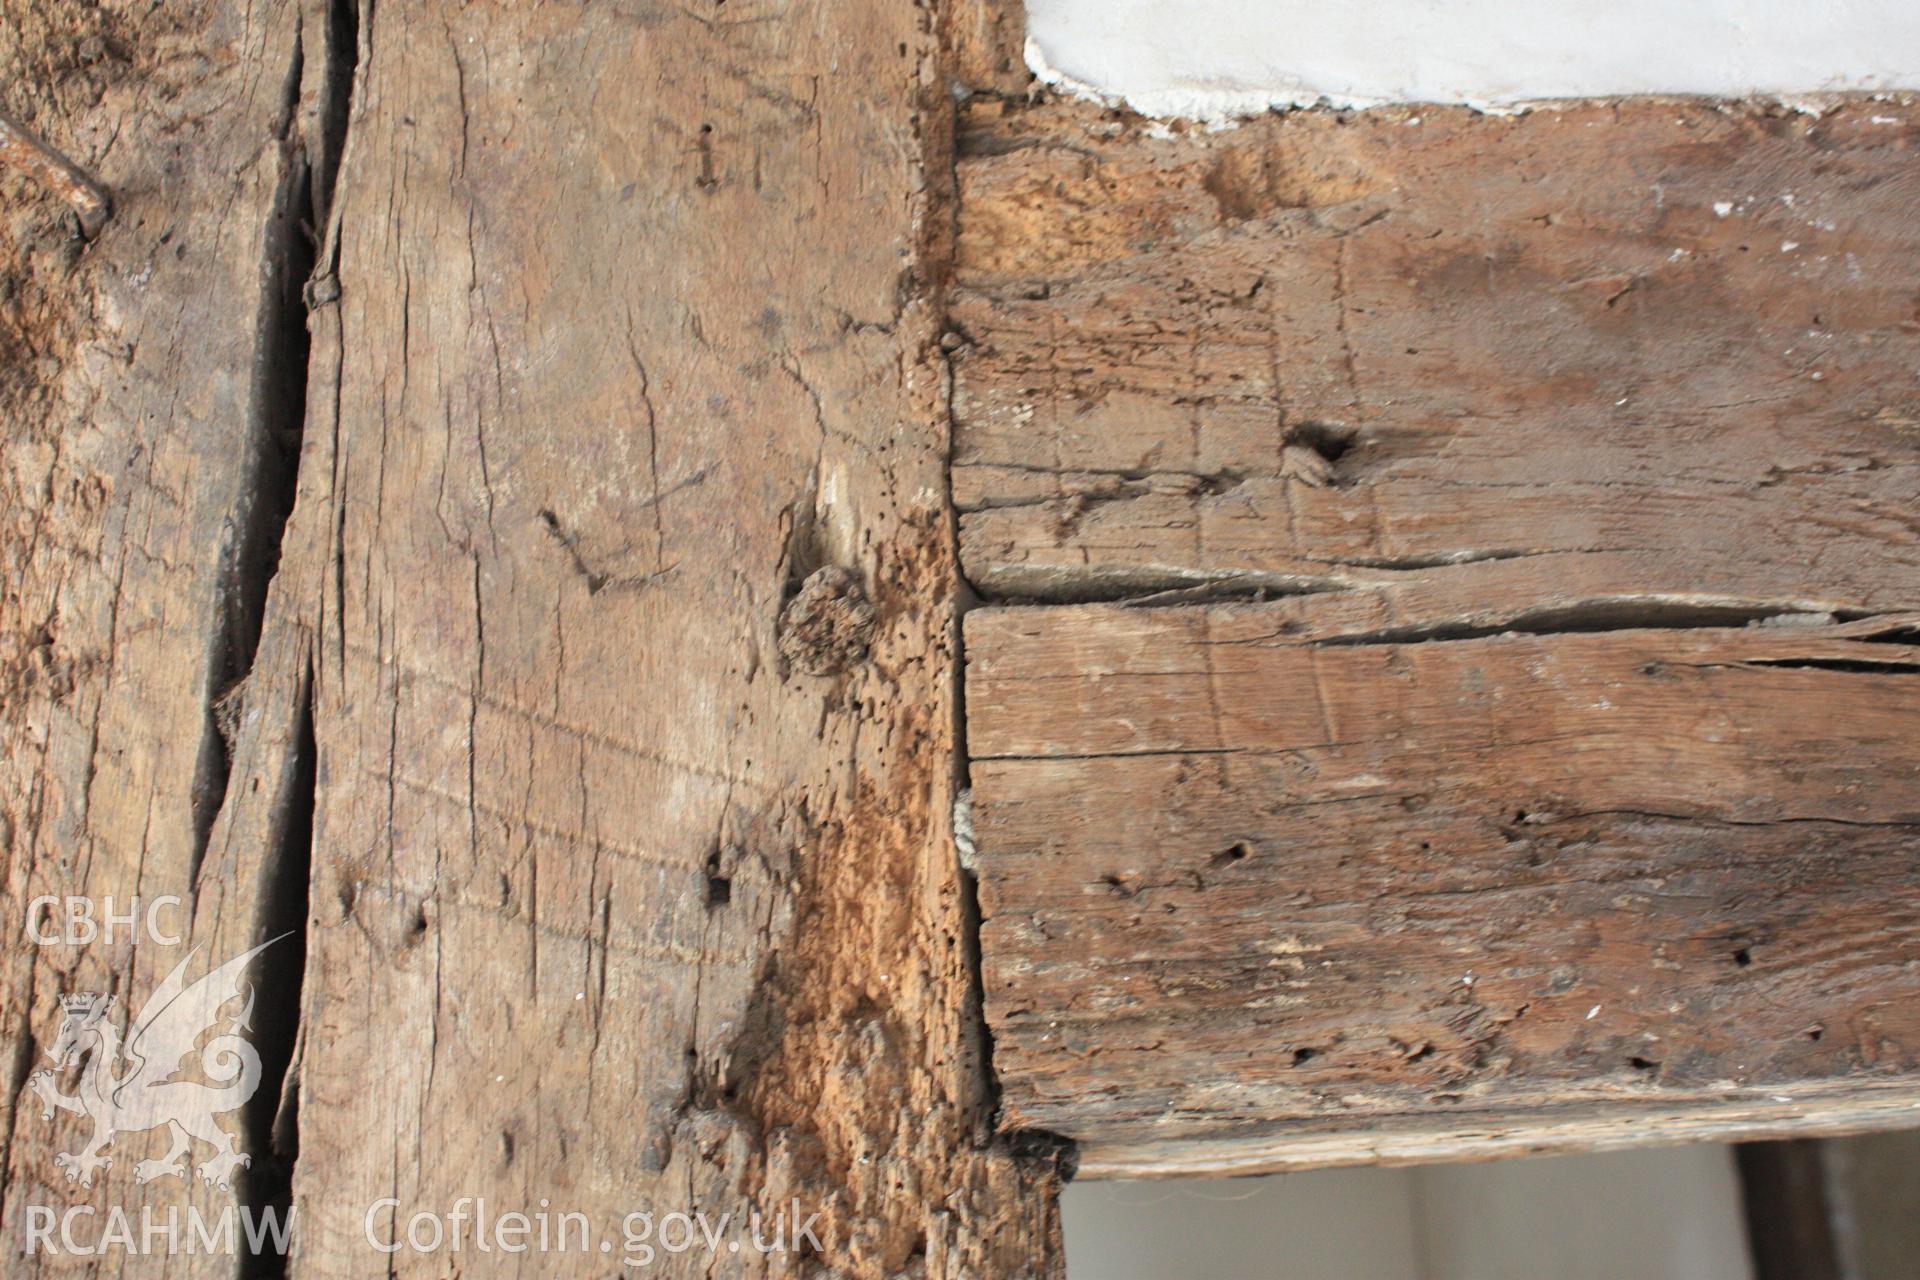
pixel 986 42
pixel 671 906
pixel 147 446
pixel 1638 350
pixel 621 885
pixel 19 148
pixel 1252 873
pixel 616 903
pixel 1569 796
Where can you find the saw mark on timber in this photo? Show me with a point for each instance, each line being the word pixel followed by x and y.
pixel 547 720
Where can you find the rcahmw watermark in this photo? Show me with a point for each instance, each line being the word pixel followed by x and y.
pixel 87 1232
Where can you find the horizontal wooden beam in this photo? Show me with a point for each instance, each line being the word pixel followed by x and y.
pixel 1243 867
pixel 1644 350
pixel 1523 749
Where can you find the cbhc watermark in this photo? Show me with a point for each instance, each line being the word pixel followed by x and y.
pixel 80 922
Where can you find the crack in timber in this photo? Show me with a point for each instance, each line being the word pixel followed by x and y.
pixel 1032 1147
pixel 311 138
pixel 270 1120
pixel 1630 613
pixel 269 465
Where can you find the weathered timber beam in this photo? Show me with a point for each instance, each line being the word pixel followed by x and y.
pixel 1651 349
pixel 1525 751
pixel 478 513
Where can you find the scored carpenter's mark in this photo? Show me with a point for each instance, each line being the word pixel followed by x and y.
pixel 88 199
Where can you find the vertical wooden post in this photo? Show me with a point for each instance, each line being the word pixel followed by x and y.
pixel 592 710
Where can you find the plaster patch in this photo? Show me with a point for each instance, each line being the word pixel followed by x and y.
pixel 1216 60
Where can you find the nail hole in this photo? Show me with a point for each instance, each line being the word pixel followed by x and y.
pixel 1235 852
pixel 1330 442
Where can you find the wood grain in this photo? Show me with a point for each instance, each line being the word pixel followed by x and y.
pixel 1556 785
pixel 148 445
pixel 986 43
pixel 1249 875
pixel 405 496
pixel 612 904
pixel 1645 349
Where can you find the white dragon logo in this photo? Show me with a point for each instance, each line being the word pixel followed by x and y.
pixel 146 1095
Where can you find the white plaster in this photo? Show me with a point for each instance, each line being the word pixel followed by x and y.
pixel 963 830
pixel 1213 60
